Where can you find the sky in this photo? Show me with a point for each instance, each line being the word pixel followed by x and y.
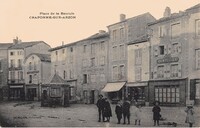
pixel 91 16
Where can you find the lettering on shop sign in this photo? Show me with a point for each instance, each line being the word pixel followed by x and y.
pixel 197 80
pixel 167 59
pixel 29 72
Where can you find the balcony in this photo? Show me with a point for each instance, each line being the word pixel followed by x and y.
pixel 15 68
pixel 16 81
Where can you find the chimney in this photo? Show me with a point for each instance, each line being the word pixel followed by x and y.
pixel 15 41
pixel 19 41
pixel 102 31
pixel 122 17
pixel 167 12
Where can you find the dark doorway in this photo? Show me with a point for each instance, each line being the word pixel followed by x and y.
pixel 92 97
pixel 31 93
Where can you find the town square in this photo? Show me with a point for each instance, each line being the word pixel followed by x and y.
pixel 140 71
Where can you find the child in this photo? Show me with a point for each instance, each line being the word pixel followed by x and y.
pixel 118 111
pixel 156 113
pixel 138 114
pixel 190 115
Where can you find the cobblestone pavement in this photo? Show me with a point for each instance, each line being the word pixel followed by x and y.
pixel 31 114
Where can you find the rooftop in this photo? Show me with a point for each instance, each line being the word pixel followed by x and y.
pixel 5 45
pixel 23 45
pixel 141 39
pixel 175 15
pixel 95 36
pixel 43 57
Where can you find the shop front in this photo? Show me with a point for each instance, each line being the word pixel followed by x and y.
pixel 168 92
pixel 138 92
pixel 16 92
pixel 115 91
pixel 32 92
pixel 195 91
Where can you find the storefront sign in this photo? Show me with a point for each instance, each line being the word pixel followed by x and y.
pixel 167 59
pixel 29 72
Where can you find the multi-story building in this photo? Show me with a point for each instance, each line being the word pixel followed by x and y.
pixel 175 57
pixel 3 70
pixel 36 72
pixel 63 63
pixel 138 69
pixel 16 55
pixel 84 65
pixel 92 60
pixel 122 33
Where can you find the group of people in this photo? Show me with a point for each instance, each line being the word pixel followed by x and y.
pixel 123 110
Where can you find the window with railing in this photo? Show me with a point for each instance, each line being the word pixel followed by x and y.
pixel 174 70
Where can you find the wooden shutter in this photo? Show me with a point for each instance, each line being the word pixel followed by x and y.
pixel 165 49
pixel 179 47
pixel 156 50
pixel 179 70
pixel 155 73
pixel 169 49
pixel 165 71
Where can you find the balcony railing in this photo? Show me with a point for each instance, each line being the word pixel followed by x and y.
pixel 15 81
pixel 15 68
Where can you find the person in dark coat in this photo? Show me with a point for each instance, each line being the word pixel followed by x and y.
pixel 100 105
pixel 156 113
pixel 118 111
pixel 126 110
pixel 107 112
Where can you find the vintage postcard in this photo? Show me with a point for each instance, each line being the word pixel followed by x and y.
pixel 92 63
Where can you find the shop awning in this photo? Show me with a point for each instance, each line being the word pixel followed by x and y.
pixel 113 87
pixel 136 84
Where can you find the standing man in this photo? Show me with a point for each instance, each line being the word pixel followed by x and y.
pixel 126 110
pixel 100 105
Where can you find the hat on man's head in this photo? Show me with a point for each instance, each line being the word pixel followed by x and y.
pixel 100 95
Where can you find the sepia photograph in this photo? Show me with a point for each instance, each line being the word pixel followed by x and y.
pixel 92 63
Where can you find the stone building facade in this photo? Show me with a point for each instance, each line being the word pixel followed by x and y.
pixel 138 69
pixel 63 62
pixel 36 73
pixel 16 55
pixel 122 33
pixel 84 65
pixel 92 60
pixel 3 70
pixel 175 57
